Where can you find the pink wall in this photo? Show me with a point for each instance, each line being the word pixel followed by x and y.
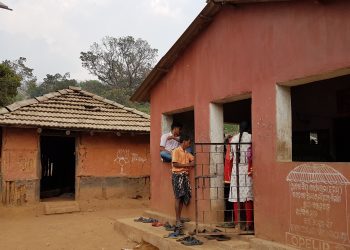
pixel 248 50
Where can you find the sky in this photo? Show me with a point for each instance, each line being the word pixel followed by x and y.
pixel 52 33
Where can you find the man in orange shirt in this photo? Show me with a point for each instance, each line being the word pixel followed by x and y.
pixel 182 161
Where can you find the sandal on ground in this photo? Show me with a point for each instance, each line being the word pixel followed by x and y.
pixel 198 232
pixel 169 227
pixel 192 242
pixel 140 219
pixel 222 238
pixel 179 225
pixel 157 224
pixel 174 235
pixel 210 237
pixel 149 220
pixel 185 238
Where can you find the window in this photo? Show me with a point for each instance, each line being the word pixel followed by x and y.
pixel 313 121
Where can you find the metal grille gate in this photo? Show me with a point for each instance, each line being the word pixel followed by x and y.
pixel 214 209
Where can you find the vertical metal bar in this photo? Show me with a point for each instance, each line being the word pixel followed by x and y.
pixel 239 219
pixel 196 189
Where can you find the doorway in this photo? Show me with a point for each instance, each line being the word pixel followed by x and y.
pixel 57 167
pixel 223 187
pixel 234 115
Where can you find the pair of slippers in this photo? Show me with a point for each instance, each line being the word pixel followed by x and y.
pixel 187 241
pixel 169 227
pixel 157 224
pixel 145 220
pixel 190 241
pixel 204 231
pixel 175 235
pixel 217 237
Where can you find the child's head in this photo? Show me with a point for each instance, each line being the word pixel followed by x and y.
pixel 185 140
pixel 176 128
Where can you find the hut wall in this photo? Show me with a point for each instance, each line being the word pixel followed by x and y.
pixel 113 166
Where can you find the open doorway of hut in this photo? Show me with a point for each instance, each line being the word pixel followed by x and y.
pixel 57 167
pixel 235 114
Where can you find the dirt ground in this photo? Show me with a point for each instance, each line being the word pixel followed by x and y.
pixel 26 228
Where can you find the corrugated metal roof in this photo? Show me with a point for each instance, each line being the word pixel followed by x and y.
pixel 74 109
pixel 196 27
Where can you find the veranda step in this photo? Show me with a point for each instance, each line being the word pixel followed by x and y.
pixel 191 226
pixel 138 231
pixel 61 207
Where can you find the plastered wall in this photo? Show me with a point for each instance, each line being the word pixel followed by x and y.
pixel 248 50
pixel 107 165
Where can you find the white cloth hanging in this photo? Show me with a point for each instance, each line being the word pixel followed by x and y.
pixel 245 181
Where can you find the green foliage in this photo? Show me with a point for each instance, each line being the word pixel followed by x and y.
pixel 26 74
pixel 231 129
pixel 9 82
pixel 22 70
pixel 134 57
pixel 118 95
pixel 50 83
pixel 95 87
pixel 143 107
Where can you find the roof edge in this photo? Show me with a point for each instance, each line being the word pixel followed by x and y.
pixel 245 1
pixel 16 105
pixel 165 63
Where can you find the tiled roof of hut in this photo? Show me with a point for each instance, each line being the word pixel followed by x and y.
pixel 74 109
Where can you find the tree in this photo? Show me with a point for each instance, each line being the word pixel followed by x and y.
pixel 22 70
pixel 9 82
pixel 51 83
pixel 111 93
pixel 96 87
pixel 27 77
pixel 122 63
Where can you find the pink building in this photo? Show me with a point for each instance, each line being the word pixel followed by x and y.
pixel 284 67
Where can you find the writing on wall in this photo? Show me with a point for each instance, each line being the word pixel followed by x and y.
pixel 18 163
pixel 318 208
pixel 125 158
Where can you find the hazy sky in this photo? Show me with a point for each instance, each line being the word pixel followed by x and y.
pixel 52 33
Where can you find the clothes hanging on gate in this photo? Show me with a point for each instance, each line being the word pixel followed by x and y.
pixel 228 164
pixel 250 160
pixel 245 179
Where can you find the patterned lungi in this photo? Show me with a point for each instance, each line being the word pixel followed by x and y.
pixel 181 187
